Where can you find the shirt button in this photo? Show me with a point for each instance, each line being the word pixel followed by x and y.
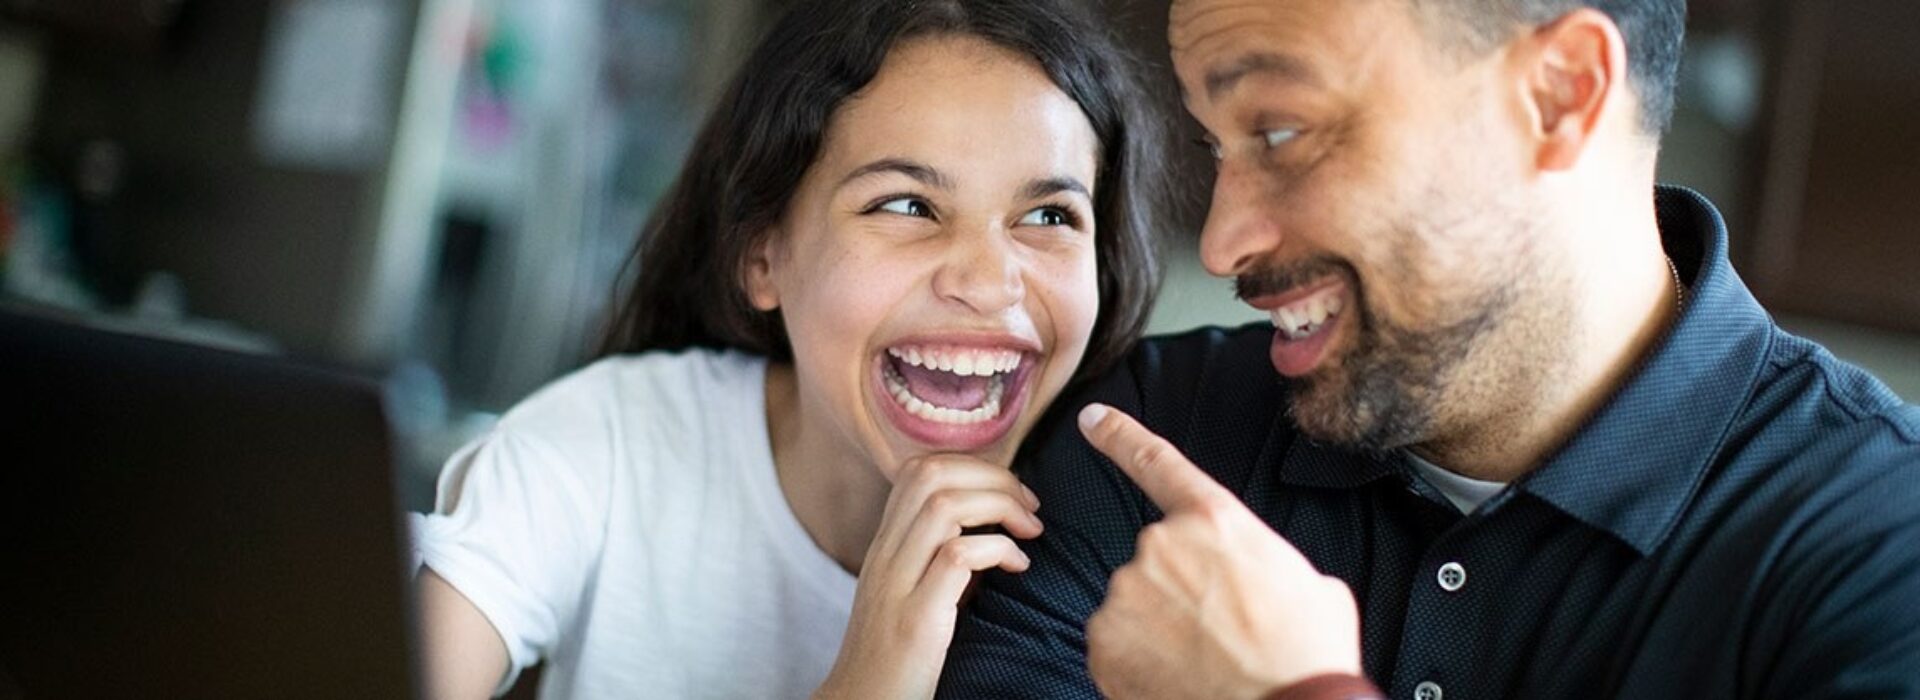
pixel 1427 690
pixel 1452 576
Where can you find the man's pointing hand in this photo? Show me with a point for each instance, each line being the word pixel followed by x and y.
pixel 1214 603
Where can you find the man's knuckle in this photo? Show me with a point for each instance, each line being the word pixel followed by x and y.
pixel 1152 453
pixel 1123 587
pixel 1217 513
pixel 1154 536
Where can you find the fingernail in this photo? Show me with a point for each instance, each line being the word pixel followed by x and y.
pixel 1033 499
pixel 1092 415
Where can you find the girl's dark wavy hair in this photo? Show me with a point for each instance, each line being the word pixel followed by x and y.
pixel 686 271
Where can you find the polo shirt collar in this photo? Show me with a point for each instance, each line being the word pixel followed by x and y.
pixel 1632 470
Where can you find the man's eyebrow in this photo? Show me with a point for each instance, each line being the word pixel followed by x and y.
pixel 922 172
pixel 1054 185
pixel 1222 79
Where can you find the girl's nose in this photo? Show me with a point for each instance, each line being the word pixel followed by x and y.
pixel 982 272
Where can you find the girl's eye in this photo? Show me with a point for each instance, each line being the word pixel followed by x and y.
pixel 1277 137
pixel 906 206
pixel 1047 216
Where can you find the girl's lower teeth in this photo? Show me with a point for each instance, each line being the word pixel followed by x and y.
pixel 988 410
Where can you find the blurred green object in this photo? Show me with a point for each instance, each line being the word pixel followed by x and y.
pixel 503 57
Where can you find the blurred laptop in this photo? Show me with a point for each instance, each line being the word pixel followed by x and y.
pixel 181 522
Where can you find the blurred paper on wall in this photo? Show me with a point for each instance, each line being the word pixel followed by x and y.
pixel 326 100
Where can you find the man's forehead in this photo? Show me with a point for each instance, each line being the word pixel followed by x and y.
pixel 1214 43
pixel 1211 27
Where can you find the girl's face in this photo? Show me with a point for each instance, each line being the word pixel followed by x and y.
pixel 936 267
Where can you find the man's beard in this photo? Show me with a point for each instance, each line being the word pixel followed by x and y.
pixel 1389 386
pixel 1390 383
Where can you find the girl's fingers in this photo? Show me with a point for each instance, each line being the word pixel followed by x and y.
pixel 943 517
pixel 953 567
pixel 923 477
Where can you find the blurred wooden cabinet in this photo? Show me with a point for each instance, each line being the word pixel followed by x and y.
pixel 1837 217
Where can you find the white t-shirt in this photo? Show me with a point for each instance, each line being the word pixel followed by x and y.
pixel 626 525
pixel 1466 494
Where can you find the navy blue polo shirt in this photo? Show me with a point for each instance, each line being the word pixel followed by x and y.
pixel 1740 520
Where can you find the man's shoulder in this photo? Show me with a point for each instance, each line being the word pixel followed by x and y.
pixel 1839 450
pixel 1212 379
pixel 1820 485
pixel 1831 416
pixel 1210 391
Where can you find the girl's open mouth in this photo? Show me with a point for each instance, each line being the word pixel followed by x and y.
pixel 953 397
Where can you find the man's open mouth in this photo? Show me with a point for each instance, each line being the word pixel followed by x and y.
pixel 1301 319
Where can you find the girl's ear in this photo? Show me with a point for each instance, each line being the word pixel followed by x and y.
pixel 757 275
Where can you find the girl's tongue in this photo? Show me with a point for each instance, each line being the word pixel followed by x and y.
pixel 944 389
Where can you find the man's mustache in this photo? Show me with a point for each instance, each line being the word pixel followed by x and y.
pixel 1280 279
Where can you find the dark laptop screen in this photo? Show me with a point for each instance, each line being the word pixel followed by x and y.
pixel 184 522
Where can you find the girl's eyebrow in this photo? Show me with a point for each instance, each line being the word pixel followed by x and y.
pixel 922 172
pixel 1035 189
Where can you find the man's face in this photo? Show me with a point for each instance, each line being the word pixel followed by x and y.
pixel 1372 196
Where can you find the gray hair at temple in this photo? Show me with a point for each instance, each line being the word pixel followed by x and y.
pixel 1654 30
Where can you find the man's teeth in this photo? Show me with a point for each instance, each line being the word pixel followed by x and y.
pixel 1302 319
pixel 966 362
pixel 986 411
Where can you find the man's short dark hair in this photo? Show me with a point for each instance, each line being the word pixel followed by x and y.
pixel 1653 30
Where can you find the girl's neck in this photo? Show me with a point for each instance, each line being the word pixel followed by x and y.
pixel 835 491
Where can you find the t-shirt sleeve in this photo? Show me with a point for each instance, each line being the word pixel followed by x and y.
pixel 517 528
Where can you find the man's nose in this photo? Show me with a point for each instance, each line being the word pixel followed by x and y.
pixel 983 271
pixel 1240 229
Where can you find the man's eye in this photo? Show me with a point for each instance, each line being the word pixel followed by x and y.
pixel 1047 216
pixel 906 206
pixel 1277 137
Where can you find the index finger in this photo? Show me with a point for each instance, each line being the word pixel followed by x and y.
pixel 1172 482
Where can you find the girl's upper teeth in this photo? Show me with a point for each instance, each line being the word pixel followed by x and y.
pixel 966 362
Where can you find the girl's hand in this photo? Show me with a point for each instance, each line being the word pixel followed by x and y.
pixel 917 568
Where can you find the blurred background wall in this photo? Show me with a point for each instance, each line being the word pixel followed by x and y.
pixel 444 191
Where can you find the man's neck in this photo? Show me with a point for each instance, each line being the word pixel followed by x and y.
pixel 1624 298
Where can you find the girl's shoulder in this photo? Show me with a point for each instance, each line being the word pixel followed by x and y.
pixel 652 395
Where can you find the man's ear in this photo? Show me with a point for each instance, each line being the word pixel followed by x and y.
pixel 756 273
pixel 1575 71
